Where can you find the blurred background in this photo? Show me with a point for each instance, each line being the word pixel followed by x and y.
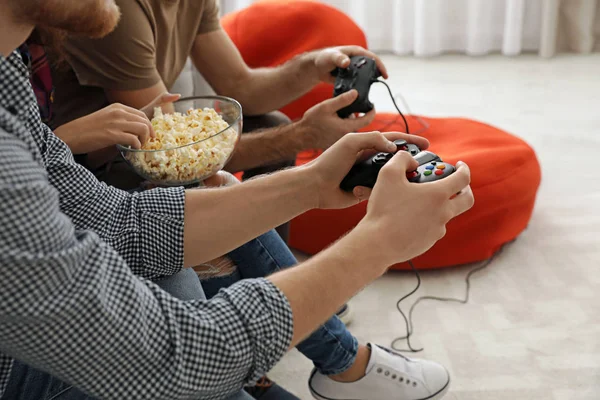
pixel 473 27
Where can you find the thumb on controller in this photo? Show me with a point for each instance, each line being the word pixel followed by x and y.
pixel 400 164
pixel 343 100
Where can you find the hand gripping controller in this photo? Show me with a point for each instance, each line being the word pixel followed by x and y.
pixel 359 75
pixel 431 168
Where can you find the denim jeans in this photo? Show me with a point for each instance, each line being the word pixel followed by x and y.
pixel 28 383
pixel 331 347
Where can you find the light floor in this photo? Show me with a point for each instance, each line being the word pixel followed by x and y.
pixel 532 327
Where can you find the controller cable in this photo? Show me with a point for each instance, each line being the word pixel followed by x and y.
pixel 408 321
pixel 399 97
pixel 395 105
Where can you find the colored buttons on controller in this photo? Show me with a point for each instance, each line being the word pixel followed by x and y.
pixel 427 173
pixel 441 166
pixel 412 174
pixel 439 171
pixel 429 167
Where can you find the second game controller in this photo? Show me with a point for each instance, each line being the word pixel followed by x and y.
pixel 431 168
pixel 359 75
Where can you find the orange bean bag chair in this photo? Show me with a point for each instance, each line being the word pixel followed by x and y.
pixel 271 32
pixel 505 171
pixel 505 178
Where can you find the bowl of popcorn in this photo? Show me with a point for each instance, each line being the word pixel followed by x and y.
pixel 194 139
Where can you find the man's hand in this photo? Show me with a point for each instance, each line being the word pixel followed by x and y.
pixel 406 219
pixel 322 126
pixel 332 166
pixel 164 101
pixel 328 59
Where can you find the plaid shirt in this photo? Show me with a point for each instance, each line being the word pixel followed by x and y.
pixel 76 257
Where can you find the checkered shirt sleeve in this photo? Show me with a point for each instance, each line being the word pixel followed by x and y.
pixel 70 303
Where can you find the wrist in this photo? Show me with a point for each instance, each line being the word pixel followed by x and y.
pixel 371 239
pixel 307 184
pixel 69 134
pixel 307 67
pixel 307 134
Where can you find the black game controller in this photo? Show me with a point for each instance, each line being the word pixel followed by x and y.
pixel 431 168
pixel 359 75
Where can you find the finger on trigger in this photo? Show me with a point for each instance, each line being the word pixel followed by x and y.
pixel 342 60
pixel 382 68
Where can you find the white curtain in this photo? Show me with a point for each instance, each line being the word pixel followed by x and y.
pixel 473 27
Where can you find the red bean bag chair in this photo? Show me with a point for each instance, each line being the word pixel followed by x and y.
pixel 505 178
pixel 505 171
pixel 271 32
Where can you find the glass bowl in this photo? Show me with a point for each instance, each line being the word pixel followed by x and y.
pixel 189 163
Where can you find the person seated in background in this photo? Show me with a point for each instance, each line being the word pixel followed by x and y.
pixel 145 54
pixel 81 314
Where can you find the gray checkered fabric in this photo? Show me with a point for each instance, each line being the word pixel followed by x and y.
pixel 76 259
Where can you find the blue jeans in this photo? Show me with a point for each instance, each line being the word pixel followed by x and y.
pixel 331 347
pixel 28 383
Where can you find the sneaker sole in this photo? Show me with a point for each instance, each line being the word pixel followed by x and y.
pixel 436 396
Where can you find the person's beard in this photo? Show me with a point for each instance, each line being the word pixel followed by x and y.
pixel 56 19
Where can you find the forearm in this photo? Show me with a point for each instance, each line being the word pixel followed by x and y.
pixel 317 288
pixel 220 220
pixel 269 146
pixel 68 134
pixel 145 228
pixel 84 294
pixel 264 90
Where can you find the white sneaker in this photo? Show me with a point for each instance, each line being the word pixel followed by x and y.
pixel 390 376
pixel 345 314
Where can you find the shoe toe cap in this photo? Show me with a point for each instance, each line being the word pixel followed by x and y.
pixel 435 375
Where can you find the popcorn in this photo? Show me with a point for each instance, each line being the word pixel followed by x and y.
pixel 174 160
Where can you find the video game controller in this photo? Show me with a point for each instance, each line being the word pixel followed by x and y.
pixel 359 75
pixel 431 168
